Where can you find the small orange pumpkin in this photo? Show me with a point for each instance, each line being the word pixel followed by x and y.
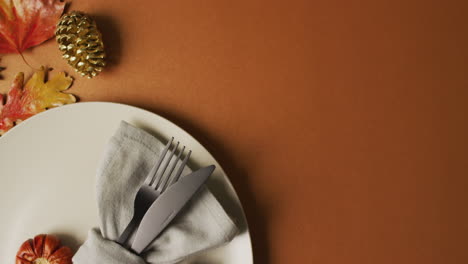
pixel 44 249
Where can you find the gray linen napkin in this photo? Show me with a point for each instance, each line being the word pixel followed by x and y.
pixel 129 156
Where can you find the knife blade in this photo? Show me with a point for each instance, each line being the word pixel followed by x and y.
pixel 167 206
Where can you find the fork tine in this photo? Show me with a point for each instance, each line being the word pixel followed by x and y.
pixel 181 168
pixel 155 168
pixel 164 185
pixel 161 175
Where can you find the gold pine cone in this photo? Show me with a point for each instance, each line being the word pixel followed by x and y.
pixel 81 43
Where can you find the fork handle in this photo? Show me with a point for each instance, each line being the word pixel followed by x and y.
pixel 127 232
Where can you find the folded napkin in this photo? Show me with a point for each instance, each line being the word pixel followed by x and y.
pixel 129 156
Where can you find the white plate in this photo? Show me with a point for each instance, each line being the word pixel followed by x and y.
pixel 47 176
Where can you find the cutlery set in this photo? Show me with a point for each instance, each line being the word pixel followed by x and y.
pixel 161 197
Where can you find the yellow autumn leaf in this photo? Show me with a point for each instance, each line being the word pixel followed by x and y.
pixel 36 96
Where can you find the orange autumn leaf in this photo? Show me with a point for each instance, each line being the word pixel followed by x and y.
pixel 36 96
pixel 27 23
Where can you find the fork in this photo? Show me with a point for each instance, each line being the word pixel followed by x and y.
pixel 155 184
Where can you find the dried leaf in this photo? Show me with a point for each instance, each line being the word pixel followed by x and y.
pixel 35 97
pixel 27 23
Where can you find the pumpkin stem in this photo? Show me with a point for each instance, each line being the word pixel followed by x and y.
pixel 41 261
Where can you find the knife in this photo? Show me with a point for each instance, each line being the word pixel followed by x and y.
pixel 167 206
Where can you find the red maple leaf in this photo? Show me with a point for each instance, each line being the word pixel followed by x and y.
pixel 27 23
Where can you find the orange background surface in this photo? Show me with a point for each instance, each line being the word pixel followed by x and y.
pixel 342 124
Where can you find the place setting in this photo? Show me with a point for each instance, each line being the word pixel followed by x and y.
pixel 101 182
pixel 92 188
